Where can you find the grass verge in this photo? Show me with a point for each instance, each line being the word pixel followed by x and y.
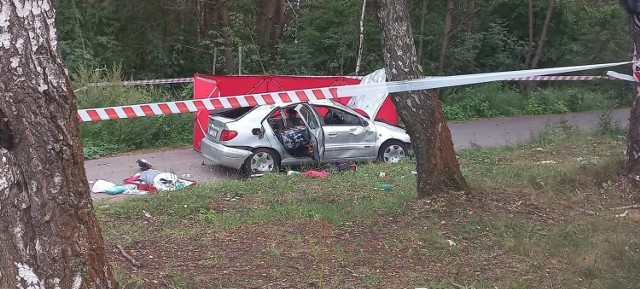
pixel 528 223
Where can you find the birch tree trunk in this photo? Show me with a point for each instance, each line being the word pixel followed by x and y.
pixel 421 111
pixel 49 235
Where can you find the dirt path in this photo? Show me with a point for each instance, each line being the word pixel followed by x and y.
pixel 484 132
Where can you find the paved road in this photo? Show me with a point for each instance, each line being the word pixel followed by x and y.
pixel 485 132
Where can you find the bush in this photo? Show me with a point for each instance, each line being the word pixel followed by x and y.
pixel 107 137
pixel 503 99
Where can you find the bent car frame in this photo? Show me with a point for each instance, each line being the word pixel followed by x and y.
pixel 268 137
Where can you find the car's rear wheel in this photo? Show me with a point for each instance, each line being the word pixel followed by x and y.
pixel 392 152
pixel 262 161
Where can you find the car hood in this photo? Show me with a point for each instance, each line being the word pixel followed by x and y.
pixel 392 131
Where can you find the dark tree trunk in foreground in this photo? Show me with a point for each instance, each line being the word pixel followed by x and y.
pixel 421 111
pixel 632 167
pixel 49 235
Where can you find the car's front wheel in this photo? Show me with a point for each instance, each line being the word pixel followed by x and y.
pixel 392 152
pixel 262 161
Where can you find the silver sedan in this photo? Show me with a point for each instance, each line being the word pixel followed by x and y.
pixel 265 138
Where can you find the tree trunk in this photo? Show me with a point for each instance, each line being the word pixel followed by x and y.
pixel 270 26
pixel 226 35
pixel 471 12
pixel 543 35
pixel 445 36
pixel 361 38
pixel 540 46
pixel 49 234
pixel 632 167
pixel 421 111
pixel 423 15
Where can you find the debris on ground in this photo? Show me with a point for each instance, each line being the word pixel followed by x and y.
pixel 316 174
pixel 547 162
pixel 384 187
pixel 148 180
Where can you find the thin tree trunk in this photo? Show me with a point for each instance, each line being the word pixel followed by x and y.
pixel 361 44
pixel 529 53
pixel 523 85
pixel 226 35
pixel 49 235
pixel 471 12
pixel 632 167
pixel 543 35
pixel 445 37
pixel 423 15
pixel 540 46
pixel 421 111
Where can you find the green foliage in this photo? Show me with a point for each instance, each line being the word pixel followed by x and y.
pixel 503 99
pixel 106 137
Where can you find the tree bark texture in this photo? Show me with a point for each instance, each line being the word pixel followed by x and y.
pixel 543 35
pixel 423 15
pixel 49 235
pixel 444 44
pixel 421 111
pixel 632 167
pixel 226 35
pixel 361 36
pixel 270 26
pixel 471 13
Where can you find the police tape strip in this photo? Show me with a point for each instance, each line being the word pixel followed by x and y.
pixel 284 97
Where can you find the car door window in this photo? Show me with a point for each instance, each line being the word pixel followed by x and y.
pixel 332 116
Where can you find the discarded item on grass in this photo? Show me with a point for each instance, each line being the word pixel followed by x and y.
pixel 146 214
pixel 101 185
pixel 382 175
pixel 537 149
pixel 622 215
pixel 128 257
pixel 316 174
pixel 587 161
pixel 548 162
pixel 627 207
pixel 257 175
pixel 290 173
pixel 414 173
pixel 384 187
pixel 115 190
pixel 452 243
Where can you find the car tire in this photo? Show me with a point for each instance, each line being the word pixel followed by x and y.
pixel 262 161
pixel 392 151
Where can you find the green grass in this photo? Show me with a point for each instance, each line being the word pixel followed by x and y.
pixel 521 226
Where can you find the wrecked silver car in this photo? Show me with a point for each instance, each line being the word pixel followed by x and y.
pixel 265 138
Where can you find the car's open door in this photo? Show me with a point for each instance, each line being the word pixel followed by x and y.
pixel 312 121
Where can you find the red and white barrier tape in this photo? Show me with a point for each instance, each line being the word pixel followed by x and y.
pixel 189 106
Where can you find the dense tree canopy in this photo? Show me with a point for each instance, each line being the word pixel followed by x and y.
pixel 177 38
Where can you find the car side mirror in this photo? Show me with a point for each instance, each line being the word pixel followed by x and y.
pixel 256 131
pixel 365 123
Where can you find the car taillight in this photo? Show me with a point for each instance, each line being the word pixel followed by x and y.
pixel 228 135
